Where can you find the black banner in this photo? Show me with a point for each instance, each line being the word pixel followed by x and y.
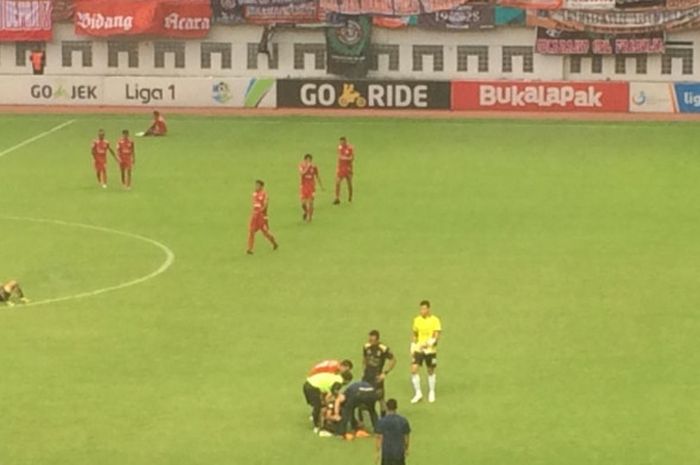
pixel 470 16
pixel 640 3
pixel 226 11
pixel 557 42
pixel 354 94
pixel 347 45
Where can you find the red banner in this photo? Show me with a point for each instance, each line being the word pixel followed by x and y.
pixel 25 20
pixel 541 96
pixel 167 18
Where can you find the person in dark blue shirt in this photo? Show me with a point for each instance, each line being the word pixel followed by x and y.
pixel 393 433
pixel 358 395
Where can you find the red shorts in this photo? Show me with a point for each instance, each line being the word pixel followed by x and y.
pixel 258 223
pixel 307 192
pixel 125 165
pixel 344 173
pixel 99 167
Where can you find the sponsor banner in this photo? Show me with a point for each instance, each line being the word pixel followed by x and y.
pixel 293 13
pixel 190 92
pixel 347 47
pixel 507 16
pixel 651 97
pixel 675 4
pixel 25 20
pixel 618 20
pixel 471 16
pixel 388 7
pixel 540 96
pixel 303 93
pixel 394 22
pixel 45 90
pixel 687 97
pixel 558 42
pixel 588 4
pixel 640 3
pixel 166 18
pixel 138 91
pixel 226 12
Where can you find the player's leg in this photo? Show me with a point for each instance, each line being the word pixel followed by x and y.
pixel 415 376
pixel 251 239
pixel 268 235
pixel 128 177
pixel 349 181
pixel 337 190
pixel 12 288
pixel 431 364
pixel 310 209
pixel 122 170
pixel 103 176
pixel 346 414
pixel 304 208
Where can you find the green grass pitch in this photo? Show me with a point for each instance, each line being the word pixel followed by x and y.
pixel 562 258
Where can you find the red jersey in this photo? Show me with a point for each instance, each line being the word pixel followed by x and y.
pixel 308 172
pixel 326 366
pixel 260 203
pixel 99 150
pixel 125 149
pixel 346 155
pixel 159 126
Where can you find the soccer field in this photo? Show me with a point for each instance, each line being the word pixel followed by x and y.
pixel 562 258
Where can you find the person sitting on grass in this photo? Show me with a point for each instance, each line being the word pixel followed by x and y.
pixel 158 128
pixel 11 290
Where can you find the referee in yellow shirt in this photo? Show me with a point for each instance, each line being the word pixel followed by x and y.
pixel 426 332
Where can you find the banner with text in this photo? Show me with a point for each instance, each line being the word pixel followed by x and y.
pixel 558 42
pixel 470 16
pixel 687 97
pixel 388 7
pixel 540 96
pixel 589 4
pixel 358 94
pixel 347 46
pixel 651 97
pixel 617 21
pixel 293 13
pixel 138 91
pixel 25 20
pixel 165 18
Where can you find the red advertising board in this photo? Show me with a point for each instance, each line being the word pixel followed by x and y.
pixel 166 18
pixel 540 96
pixel 25 20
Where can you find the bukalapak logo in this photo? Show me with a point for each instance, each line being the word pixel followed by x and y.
pixel 360 94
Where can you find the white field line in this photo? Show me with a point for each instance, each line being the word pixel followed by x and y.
pixel 167 262
pixel 35 138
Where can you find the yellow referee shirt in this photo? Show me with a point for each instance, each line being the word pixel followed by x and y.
pixel 425 328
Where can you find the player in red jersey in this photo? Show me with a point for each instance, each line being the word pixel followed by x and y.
pixel 309 176
pixel 331 366
pixel 127 157
pixel 346 156
pixel 158 128
pixel 258 219
pixel 100 147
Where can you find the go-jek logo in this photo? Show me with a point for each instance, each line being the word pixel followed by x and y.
pixel 221 92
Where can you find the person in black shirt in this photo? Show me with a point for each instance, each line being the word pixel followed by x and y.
pixel 374 358
pixel 393 434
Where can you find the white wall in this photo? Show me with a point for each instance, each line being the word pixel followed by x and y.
pixel 545 67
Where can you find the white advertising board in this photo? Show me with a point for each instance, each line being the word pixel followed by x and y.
pixel 51 90
pixel 651 97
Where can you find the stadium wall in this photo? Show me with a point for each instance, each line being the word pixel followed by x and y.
pixel 231 51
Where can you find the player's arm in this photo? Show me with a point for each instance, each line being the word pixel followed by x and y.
pixel 336 407
pixel 392 363
pixel 133 153
pixel 318 178
pixel 114 155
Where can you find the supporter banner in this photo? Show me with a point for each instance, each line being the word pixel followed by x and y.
pixel 388 7
pixel 168 18
pixel 226 12
pixel 532 4
pixel 25 20
pixel 471 16
pixel 588 4
pixel 44 90
pixel 138 91
pixel 651 97
pixel 639 3
pixel 303 93
pixel 293 13
pixel 347 47
pixel 540 96
pixel 63 10
pixel 558 42
pixel 687 96
pixel 505 15
pixel 394 22
pixel 681 3
pixel 617 21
